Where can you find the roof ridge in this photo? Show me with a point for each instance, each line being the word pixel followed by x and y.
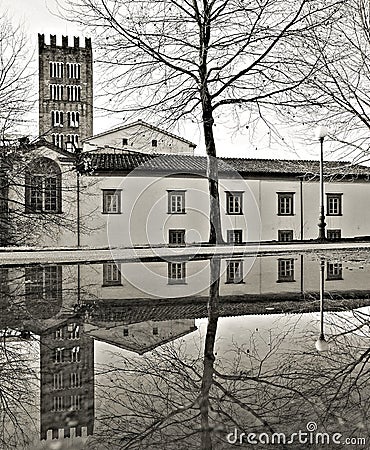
pixel 139 122
pixel 167 155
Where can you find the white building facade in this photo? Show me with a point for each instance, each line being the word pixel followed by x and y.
pixel 164 200
pixel 140 137
pixel 130 198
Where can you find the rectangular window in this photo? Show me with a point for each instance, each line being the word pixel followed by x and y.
pixel 75 402
pixel 58 381
pixel 286 270
pixel 73 331
pixel 58 333
pixel 75 354
pixel 234 202
pixel 111 274
pixel 43 283
pixel 75 380
pixel 34 283
pixel 73 119
pixel 176 273
pixel 59 355
pixel 334 204
pixel 334 271
pixel 57 118
pixel 73 139
pixel 176 237
pixel 124 141
pixel 43 194
pixel 285 203
pixel 125 332
pixel 111 201
pixel 334 234
pixel 285 235
pixel 234 272
pixel 52 282
pixel 58 139
pixel 50 194
pixel 154 143
pixel 155 331
pixel 176 202
pixel 35 194
pixel 234 236
pixel 58 403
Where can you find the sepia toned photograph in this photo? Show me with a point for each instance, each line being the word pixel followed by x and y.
pixel 184 224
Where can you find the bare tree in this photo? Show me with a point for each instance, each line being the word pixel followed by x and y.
pixel 200 59
pixel 338 92
pixel 18 392
pixel 15 78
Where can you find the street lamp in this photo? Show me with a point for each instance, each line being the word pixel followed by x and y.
pixel 72 148
pixel 321 344
pixel 321 133
pixel 83 167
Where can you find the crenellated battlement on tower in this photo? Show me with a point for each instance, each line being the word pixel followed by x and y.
pixel 64 44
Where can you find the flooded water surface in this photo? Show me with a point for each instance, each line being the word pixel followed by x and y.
pixel 236 352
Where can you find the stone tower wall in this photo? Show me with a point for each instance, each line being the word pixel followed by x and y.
pixel 80 76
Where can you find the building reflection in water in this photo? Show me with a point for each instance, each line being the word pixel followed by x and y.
pixel 67 381
pixel 70 307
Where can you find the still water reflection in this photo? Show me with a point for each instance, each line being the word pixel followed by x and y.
pixel 186 354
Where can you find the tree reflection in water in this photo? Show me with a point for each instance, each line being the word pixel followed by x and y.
pixel 188 395
pixel 18 393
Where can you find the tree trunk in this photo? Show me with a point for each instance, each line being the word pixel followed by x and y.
pixel 215 231
pixel 209 356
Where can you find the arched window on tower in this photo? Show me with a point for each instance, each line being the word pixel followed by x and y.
pixel 74 70
pixel 58 139
pixel 73 118
pixel 43 187
pixel 56 92
pixel 57 118
pixel 74 93
pixel 72 138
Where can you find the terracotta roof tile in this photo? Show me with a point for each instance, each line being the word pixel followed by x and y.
pixel 108 162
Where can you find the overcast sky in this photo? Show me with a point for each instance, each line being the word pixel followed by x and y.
pixel 39 16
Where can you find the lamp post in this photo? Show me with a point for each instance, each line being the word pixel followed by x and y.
pixel 321 133
pixel 72 148
pixel 321 344
pixel 83 166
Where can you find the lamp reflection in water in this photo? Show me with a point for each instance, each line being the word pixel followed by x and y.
pixel 321 343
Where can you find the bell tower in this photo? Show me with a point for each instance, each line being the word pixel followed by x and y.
pixel 65 91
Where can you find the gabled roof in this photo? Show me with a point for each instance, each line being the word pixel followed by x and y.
pixel 142 123
pixel 136 346
pixel 44 143
pixel 30 146
pixel 151 163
